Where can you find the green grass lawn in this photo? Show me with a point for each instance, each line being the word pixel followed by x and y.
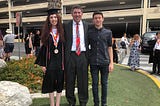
pixel 125 88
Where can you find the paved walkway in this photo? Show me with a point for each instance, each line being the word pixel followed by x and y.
pixel 144 65
pixel 19 49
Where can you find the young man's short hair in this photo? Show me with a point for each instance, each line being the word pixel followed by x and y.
pixel 97 12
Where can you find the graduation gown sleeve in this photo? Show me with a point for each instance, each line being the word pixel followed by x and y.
pixel 42 56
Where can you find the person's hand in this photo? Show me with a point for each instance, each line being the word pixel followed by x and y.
pixel 139 49
pixel 44 69
pixel 110 67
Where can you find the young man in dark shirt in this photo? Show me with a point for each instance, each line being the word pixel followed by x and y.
pixel 100 56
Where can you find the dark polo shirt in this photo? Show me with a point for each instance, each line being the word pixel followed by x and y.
pixel 99 41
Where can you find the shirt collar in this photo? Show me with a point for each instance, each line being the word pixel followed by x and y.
pixel 74 23
pixel 99 29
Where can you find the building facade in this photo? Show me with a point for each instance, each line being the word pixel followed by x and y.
pixel 130 16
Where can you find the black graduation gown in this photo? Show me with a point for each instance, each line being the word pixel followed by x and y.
pixel 53 79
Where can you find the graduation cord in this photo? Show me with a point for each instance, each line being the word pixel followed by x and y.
pixel 48 54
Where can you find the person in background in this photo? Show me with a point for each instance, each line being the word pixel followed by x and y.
pixel 100 57
pixel 1 45
pixel 50 57
pixel 76 57
pixel 134 57
pixel 155 54
pixel 124 42
pixel 36 43
pixel 28 44
pixel 9 44
pixel 115 50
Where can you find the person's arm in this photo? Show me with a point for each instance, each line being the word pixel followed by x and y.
pixel 4 39
pixel 116 46
pixel 110 51
pixel 127 43
pixel 122 39
pixel 41 58
pixel 43 69
pixel 26 38
pixel 15 35
pixel 131 43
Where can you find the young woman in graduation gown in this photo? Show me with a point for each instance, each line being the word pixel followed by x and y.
pixel 51 55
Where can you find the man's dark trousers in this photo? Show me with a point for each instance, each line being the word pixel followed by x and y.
pixel 77 67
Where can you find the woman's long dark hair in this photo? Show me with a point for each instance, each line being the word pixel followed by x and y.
pixel 46 30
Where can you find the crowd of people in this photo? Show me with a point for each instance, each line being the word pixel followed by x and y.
pixel 66 50
pixel 31 44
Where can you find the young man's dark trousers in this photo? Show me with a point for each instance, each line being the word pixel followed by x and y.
pixel 103 69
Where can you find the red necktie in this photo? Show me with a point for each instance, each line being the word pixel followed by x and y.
pixel 78 51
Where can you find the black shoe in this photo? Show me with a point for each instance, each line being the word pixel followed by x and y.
pixel 82 104
pixel 137 68
pixel 152 73
pixel 71 105
pixel 104 104
pixel 132 69
pixel 96 104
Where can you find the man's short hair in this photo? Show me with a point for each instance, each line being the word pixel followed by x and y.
pixel 97 13
pixel 76 7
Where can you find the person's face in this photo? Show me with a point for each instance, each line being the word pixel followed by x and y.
pixel 158 36
pixel 136 37
pixel 38 32
pixel 77 15
pixel 53 19
pixel 31 33
pixel 98 20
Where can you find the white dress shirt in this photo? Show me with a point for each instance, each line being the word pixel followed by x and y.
pixel 157 46
pixel 81 32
